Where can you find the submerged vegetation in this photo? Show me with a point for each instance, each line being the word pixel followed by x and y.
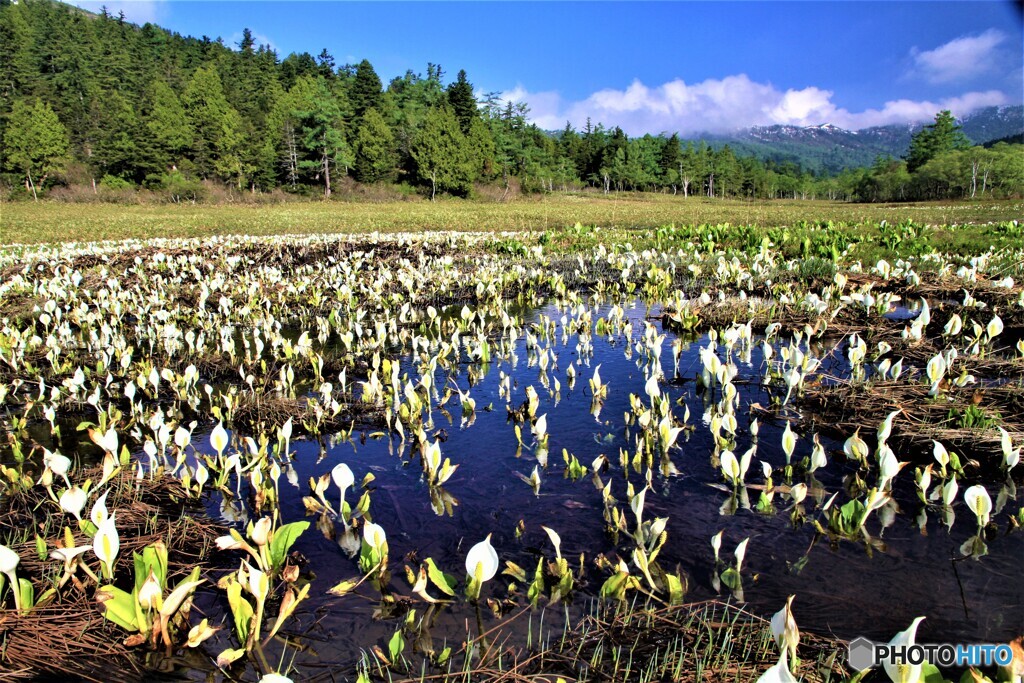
pixel 335 404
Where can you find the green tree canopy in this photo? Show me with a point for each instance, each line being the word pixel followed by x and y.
pixel 217 125
pixel 442 156
pixel 366 89
pixel 462 101
pixel 375 144
pixel 320 126
pixel 35 141
pixel 942 136
pixel 166 124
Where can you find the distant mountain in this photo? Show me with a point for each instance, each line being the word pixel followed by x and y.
pixel 829 149
pixel 993 123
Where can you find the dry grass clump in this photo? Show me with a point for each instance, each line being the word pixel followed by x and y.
pixel 698 642
pixel 69 639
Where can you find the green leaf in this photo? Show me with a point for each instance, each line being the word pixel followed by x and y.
pixel 241 611
pixel 615 586
pixel 41 547
pixel 675 589
pixel 931 674
pixel 28 595
pixel 396 645
pixel 282 542
pixel 119 607
pixel 536 588
pixel 731 578
pixel 444 582
pixel 153 558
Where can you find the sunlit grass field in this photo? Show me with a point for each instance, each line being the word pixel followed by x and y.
pixel 31 223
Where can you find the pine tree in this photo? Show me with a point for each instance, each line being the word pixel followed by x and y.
pixel 669 161
pixel 375 156
pixel 942 136
pixel 35 141
pixel 218 138
pixel 462 101
pixel 116 129
pixel 166 125
pixel 320 129
pixel 483 150
pixel 441 154
pixel 325 64
pixel 365 90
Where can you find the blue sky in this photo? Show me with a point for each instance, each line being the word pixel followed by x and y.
pixel 659 66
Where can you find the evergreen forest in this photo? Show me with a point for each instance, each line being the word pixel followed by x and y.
pixel 94 106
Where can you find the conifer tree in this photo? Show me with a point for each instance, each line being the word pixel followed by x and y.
pixel 320 130
pixel 216 124
pixel 35 141
pixel 441 154
pixel 365 90
pixel 942 136
pixel 375 144
pixel 462 101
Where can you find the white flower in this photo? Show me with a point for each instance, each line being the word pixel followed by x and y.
pixel 219 438
pixel 482 557
pixel 904 673
pixel 979 502
pixel 374 535
pixel 72 501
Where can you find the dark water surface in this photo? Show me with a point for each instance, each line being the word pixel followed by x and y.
pixel 842 589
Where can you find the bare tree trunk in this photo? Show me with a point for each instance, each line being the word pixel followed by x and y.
pixel 327 177
pixel 292 159
pixel 433 184
pixel 974 178
pixel 32 185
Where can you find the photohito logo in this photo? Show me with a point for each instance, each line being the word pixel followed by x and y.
pixel 864 654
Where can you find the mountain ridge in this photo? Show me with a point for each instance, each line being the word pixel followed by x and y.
pixel 827 148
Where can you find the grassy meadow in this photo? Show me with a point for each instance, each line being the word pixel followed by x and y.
pixel 31 223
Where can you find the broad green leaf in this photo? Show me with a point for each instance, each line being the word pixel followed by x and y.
pixel 444 582
pixel 396 645
pixel 282 542
pixel 118 606
pixel 731 578
pixel 241 611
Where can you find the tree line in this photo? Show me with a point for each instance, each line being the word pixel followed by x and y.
pixel 95 99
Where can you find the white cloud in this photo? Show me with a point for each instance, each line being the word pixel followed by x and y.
pixel 730 103
pixel 959 59
pixel 136 11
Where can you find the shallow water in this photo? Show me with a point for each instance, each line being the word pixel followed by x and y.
pixel 843 590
